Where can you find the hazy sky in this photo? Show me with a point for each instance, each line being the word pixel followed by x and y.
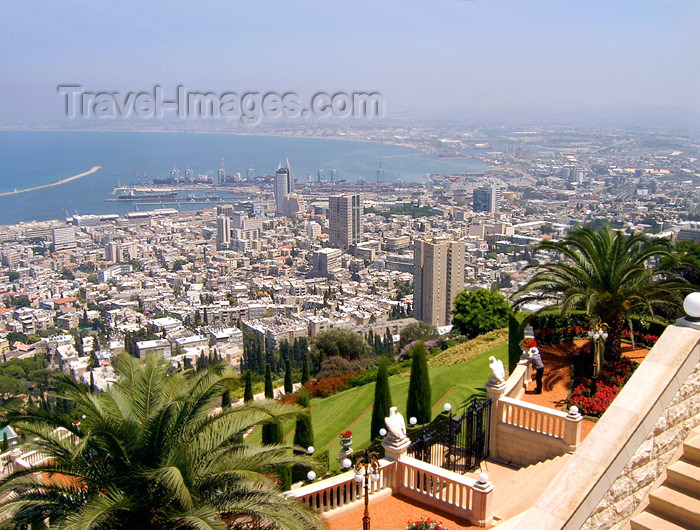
pixel 429 57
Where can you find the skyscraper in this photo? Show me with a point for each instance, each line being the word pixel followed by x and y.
pixel 344 220
pixel 284 185
pixel 438 276
pixel 486 199
pixel 223 232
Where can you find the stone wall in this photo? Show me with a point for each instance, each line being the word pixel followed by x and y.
pixel 650 459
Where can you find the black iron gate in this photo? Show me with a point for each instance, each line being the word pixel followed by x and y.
pixel 458 443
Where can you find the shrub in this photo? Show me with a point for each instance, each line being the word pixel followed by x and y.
pixel 328 386
pixel 334 366
pixel 289 399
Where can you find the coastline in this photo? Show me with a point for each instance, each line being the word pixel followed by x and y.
pixel 57 183
pixel 234 133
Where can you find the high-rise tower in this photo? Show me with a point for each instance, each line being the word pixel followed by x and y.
pixel 284 185
pixel 344 220
pixel 486 199
pixel 223 232
pixel 438 277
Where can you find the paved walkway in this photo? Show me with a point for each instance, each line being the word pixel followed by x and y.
pixel 392 512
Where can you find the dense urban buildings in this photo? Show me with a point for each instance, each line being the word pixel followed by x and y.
pixel 358 255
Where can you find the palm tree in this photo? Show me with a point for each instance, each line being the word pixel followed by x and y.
pixel 152 452
pixel 606 273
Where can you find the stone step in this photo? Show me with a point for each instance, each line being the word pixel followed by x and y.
pixel 691 450
pixel 684 476
pixel 649 521
pixel 675 506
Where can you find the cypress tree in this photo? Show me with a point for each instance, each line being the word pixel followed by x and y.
pixel 305 376
pixel 304 433
pixel 5 445
pixel 248 392
pixel 285 476
pixel 382 399
pixel 418 403
pixel 225 400
pixel 269 391
pixel 271 432
pixel 389 343
pixel 288 385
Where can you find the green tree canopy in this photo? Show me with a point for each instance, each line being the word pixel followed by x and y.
pixel 154 454
pixel 340 342
pixel 10 385
pixel 417 331
pixel 605 272
pixel 479 311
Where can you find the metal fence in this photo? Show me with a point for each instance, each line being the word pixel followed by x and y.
pixel 458 443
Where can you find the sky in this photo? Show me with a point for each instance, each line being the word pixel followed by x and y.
pixel 429 59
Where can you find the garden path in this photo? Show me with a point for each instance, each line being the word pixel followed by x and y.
pixel 557 377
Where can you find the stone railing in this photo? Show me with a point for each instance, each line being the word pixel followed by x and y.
pixel 522 433
pixel 439 488
pixel 533 418
pixel 16 458
pixel 627 452
pixel 518 380
pixel 342 490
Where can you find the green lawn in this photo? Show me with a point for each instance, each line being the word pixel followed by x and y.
pixel 352 409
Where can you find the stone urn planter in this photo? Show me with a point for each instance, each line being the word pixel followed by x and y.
pixel 346 439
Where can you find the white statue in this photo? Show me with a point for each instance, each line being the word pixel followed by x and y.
pixel 396 425
pixel 497 369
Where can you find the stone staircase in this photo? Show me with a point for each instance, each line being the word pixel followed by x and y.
pixel 675 504
pixel 514 489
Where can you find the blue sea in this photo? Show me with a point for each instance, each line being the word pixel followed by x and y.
pixel 34 158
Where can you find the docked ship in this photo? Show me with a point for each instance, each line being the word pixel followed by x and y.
pixel 131 195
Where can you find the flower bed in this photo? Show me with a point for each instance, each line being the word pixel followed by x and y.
pixel 612 378
pixel 425 524
pixel 645 339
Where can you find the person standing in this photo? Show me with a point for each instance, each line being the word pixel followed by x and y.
pixel 538 365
